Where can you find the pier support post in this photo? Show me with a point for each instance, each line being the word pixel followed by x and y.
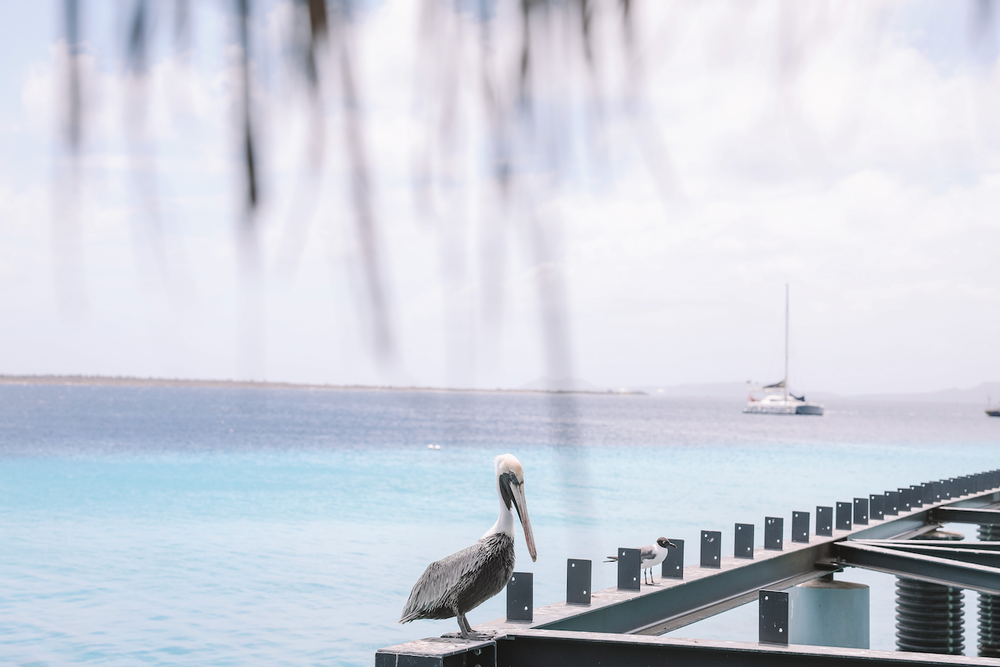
pixel 989 607
pixel 929 617
pixel 825 612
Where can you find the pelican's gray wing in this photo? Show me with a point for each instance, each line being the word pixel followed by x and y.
pixel 428 599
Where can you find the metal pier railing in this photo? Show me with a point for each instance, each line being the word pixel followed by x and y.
pixel 619 626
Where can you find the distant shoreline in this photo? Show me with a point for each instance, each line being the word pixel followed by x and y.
pixel 106 381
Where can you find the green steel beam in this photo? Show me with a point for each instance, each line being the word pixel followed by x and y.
pixel 983 517
pixel 935 570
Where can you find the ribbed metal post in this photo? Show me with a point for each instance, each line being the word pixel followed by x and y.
pixel 929 617
pixel 989 607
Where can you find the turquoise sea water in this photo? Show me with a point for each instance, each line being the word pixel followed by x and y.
pixel 181 526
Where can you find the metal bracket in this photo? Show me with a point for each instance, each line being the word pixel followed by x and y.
pixel 932 493
pixel 800 527
pixel 774 533
pixel 824 521
pixel 861 511
pixel 629 565
pixel 743 541
pixel 876 506
pixel 773 606
pixel 520 597
pixel 673 564
pixel 905 499
pixel 891 507
pixel 711 548
pixel 843 516
pixel 578 581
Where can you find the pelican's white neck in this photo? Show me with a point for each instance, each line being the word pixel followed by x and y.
pixel 505 522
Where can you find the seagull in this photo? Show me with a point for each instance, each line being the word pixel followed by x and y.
pixel 457 584
pixel 650 557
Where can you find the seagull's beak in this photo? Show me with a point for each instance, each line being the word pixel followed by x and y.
pixel 669 543
pixel 521 505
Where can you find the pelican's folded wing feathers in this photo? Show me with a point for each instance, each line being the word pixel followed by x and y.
pixel 428 599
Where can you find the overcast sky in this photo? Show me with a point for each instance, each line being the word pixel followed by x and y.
pixel 849 149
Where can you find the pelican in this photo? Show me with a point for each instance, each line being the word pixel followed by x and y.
pixel 457 584
pixel 650 556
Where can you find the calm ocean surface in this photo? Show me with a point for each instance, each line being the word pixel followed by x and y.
pixel 181 526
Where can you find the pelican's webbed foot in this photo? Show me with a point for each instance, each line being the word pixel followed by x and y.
pixel 472 636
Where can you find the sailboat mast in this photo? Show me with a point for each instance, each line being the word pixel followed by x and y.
pixel 786 342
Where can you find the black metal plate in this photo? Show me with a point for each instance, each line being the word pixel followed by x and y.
pixel 578 578
pixel 711 548
pixel 520 597
pixel 773 617
pixel 800 526
pixel 629 562
pixel 861 511
pixel 843 516
pixel 905 500
pixel 824 521
pixel 891 507
pixel 673 564
pixel 916 495
pixel 743 540
pixel 774 533
pixel 876 506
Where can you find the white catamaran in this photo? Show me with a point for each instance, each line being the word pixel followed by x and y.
pixel 777 399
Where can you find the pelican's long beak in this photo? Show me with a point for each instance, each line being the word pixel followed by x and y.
pixel 521 505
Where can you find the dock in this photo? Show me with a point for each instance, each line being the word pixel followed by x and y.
pixel 897 532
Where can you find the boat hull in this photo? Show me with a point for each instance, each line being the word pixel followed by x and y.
pixel 783 408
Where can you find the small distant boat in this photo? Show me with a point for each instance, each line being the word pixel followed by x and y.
pixel 777 399
pixel 990 410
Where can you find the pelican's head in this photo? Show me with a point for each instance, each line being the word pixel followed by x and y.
pixel 510 484
pixel 664 542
